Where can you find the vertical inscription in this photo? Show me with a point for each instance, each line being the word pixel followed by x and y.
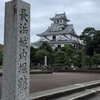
pixel 23 68
pixel 23 55
pixel 23 28
pixel 24 15
pixel 22 83
pixel 23 42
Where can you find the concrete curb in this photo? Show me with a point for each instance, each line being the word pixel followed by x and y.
pixel 36 72
pixel 92 84
pixel 85 95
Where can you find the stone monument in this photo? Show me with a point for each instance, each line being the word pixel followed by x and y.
pixel 16 62
pixel 45 60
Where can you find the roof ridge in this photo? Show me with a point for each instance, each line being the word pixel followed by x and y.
pixel 61 14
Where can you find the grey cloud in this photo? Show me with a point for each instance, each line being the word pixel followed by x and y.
pixel 82 13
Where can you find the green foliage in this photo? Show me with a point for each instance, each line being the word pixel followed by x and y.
pixel 87 35
pixel 59 59
pixel 69 54
pixel 32 53
pixel 46 46
pixel 40 55
pixel 68 49
pixel 91 40
pixel 78 58
pixel 87 38
pixel 87 61
pixel 68 61
pixel 0 67
pixel 96 42
pixel 1 58
pixel 96 59
pixel 37 55
pixel 33 60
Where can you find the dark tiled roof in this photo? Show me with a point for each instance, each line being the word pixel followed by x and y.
pixel 60 16
pixel 57 42
pixel 69 29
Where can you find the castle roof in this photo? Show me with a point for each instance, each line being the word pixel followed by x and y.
pixel 69 29
pixel 60 16
pixel 57 42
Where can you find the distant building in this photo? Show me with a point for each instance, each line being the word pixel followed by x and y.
pixel 59 33
pixel 1 47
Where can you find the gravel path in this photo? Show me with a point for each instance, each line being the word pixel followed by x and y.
pixel 48 81
pixel 40 82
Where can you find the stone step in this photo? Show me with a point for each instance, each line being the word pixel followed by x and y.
pixel 78 95
pixel 67 91
pixel 81 95
pixel 97 89
pixel 57 92
pixel 92 84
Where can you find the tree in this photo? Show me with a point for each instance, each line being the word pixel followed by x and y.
pixel 1 58
pixel 46 46
pixel 33 60
pixel 40 55
pixel 77 59
pixel 96 42
pixel 69 51
pixel 91 40
pixel 59 59
pixel 87 61
pixel 96 59
pixel 87 35
pixel 87 38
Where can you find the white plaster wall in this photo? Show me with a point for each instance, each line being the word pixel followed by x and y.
pixel 62 38
pixel 69 36
pixel 55 45
pixel 62 45
pixel 50 37
pixel 74 38
pixel 57 36
pixel 42 39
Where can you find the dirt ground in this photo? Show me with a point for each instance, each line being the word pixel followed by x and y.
pixel 41 82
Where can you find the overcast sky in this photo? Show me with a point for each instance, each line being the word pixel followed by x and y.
pixel 81 13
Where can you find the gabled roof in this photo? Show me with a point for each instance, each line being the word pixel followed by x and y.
pixel 69 29
pixel 60 16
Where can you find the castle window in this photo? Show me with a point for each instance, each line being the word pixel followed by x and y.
pixel 57 21
pixel 59 46
pixel 61 21
pixel 54 37
pixel 54 21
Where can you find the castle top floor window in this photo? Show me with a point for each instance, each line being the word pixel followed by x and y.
pixel 54 37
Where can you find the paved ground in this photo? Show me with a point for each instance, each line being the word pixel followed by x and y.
pixel 40 82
